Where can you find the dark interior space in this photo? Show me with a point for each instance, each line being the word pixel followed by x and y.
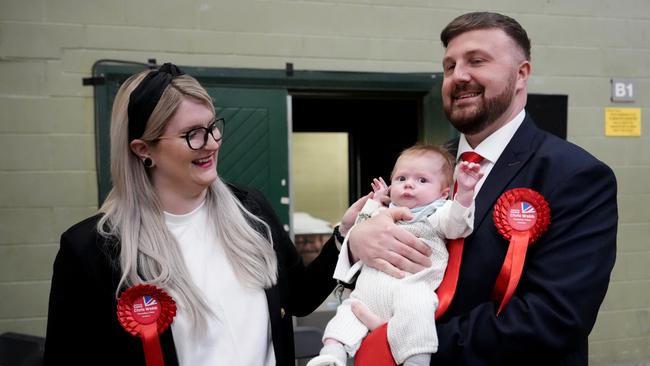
pixel 380 126
pixel 549 111
pixel 379 129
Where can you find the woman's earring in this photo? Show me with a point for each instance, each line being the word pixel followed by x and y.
pixel 147 162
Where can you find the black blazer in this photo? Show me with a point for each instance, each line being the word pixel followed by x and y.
pixel 82 323
pixel 566 272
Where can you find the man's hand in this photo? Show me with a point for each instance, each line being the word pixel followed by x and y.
pixel 371 320
pixel 382 245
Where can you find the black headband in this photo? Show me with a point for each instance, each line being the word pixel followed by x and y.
pixel 146 96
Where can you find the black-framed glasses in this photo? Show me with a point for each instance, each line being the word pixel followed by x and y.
pixel 197 138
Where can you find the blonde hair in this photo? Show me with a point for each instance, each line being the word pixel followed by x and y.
pixel 149 253
pixel 422 149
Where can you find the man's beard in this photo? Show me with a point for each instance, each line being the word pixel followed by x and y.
pixel 474 119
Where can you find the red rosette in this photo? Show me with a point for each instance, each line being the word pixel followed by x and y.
pixel 145 311
pixel 502 219
pixel 521 216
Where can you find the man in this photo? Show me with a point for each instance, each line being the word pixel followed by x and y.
pixel 566 271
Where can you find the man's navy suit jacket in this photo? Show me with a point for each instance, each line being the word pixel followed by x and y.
pixel 566 272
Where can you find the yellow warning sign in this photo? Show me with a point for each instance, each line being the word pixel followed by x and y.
pixel 622 121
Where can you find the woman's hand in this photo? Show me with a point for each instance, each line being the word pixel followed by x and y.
pixel 350 215
pixel 382 245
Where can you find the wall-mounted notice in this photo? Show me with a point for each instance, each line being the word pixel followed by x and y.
pixel 622 121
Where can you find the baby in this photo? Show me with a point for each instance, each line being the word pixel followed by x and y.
pixel 420 181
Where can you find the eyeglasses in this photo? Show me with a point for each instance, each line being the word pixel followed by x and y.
pixel 197 138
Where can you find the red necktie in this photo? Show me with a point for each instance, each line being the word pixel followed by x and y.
pixel 447 287
pixel 472 157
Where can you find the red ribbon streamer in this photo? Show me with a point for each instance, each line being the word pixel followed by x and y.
pixel 447 287
pixel 375 350
pixel 512 269
pixel 151 344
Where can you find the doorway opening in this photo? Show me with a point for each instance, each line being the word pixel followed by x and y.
pixel 341 141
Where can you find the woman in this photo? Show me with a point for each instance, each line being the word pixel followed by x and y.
pixel 217 249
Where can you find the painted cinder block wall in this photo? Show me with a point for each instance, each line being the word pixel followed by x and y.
pixel 47 152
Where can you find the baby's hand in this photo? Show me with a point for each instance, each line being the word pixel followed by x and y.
pixel 468 175
pixel 380 191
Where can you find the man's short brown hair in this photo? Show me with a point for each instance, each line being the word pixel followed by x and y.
pixel 486 20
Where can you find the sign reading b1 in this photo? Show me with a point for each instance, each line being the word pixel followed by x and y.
pixel 622 90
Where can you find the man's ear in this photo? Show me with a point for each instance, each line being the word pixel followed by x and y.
pixel 523 73
pixel 140 148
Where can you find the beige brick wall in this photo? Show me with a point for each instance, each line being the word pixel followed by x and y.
pixel 47 170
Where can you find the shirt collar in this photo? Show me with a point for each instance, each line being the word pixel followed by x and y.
pixel 492 147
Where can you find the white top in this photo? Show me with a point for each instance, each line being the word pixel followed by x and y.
pixel 492 147
pixel 239 333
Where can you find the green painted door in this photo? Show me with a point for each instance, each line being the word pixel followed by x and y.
pixel 255 148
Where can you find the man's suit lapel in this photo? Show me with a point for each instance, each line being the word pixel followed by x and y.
pixel 518 151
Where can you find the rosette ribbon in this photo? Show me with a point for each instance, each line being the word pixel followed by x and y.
pixel 521 215
pixel 145 311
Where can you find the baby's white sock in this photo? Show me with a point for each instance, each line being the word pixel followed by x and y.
pixel 336 350
pixel 421 359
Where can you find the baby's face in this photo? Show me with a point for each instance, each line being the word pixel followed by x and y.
pixel 418 180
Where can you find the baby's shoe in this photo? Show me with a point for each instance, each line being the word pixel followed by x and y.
pixel 325 360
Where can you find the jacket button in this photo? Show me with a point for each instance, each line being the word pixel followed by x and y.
pixel 282 313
